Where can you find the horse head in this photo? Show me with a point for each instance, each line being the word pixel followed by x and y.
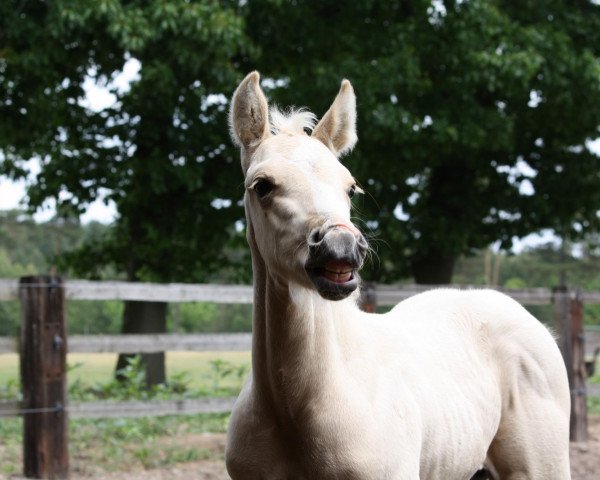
pixel 298 194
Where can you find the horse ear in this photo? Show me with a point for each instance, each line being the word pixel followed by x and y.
pixel 249 116
pixel 337 128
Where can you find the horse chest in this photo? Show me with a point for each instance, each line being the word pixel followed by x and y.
pixel 326 442
pixel 323 458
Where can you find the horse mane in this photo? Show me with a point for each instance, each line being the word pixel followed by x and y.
pixel 293 120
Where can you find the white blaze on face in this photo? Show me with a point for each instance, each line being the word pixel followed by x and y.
pixel 327 178
pixel 328 202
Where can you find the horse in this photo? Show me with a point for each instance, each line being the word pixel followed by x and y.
pixel 446 382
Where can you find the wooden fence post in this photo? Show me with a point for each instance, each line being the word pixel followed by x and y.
pixel 368 297
pixel 579 420
pixel 568 314
pixel 562 319
pixel 43 377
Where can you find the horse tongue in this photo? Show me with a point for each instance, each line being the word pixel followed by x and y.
pixel 338 271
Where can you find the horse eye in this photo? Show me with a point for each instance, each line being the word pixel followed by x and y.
pixel 352 191
pixel 263 188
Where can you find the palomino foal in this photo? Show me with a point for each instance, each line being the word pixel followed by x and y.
pixel 445 382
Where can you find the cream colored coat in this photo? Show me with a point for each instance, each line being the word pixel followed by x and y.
pixel 445 382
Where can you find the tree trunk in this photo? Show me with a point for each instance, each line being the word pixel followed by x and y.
pixel 145 317
pixel 433 268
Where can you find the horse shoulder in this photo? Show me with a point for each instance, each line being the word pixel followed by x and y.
pixel 518 351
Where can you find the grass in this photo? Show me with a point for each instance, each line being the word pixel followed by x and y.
pixel 9 367
pixel 94 368
pixel 593 404
pixel 105 445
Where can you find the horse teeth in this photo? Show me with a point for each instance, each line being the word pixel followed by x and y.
pixel 338 276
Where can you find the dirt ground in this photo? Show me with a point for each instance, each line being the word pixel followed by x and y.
pixel 585 461
pixel 585 457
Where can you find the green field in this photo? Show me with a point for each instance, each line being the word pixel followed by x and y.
pixel 94 368
pixel 122 443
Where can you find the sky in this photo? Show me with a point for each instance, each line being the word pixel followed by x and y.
pixel 102 210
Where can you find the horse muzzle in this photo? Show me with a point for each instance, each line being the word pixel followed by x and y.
pixel 336 253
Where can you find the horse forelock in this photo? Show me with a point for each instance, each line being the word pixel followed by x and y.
pixel 292 120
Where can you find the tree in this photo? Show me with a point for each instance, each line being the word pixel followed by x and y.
pixel 160 152
pixel 473 115
pixel 465 110
pixel 31 248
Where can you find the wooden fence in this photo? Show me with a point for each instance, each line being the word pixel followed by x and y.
pixel 43 346
pixel 243 294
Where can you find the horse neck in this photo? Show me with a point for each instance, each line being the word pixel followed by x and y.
pixel 296 339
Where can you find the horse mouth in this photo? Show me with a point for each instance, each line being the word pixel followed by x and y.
pixel 335 279
pixel 338 272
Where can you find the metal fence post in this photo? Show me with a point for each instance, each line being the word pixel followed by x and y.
pixel 43 377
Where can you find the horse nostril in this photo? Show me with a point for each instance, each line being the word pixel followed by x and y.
pixel 315 237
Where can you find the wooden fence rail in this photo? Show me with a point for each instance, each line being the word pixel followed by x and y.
pixel 152 343
pixel 149 292
pixel 149 343
pixel 131 409
pixel 386 295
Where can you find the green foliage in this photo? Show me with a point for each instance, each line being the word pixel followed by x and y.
pixel 147 455
pixel 545 266
pixel 120 444
pixel 10 319
pixel 10 390
pixel 161 152
pixel 30 248
pixel 98 446
pixel 87 318
pixel 190 375
pixel 90 318
pixel 130 386
pixel 127 442
pixel 223 369
pixel 596 377
pixel 10 269
pixel 464 108
pixel 593 405
pixel 11 435
pixel 210 317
